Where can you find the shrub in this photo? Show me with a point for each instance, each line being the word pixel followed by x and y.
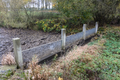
pixel 16 15
pixel 78 10
pixel 103 11
pixel 48 25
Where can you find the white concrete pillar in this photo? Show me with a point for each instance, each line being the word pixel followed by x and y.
pixel 84 31
pixel 63 38
pixel 96 27
pixel 18 52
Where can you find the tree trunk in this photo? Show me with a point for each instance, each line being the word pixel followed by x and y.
pixel 38 4
pixel 49 4
pixel 46 4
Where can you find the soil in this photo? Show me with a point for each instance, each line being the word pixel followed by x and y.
pixel 28 38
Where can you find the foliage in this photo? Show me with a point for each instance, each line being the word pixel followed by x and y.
pixel 77 9
pixel 6 75
pixel 104 66
pixel 19 15
pixel 107 64
pixel 104 11
pixel 84 11
pixel 44 14
pixel 12 15
pixel 48 25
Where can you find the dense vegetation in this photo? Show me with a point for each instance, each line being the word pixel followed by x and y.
pixel 106 65
pixel 85 11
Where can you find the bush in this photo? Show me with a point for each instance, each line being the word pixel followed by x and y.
pixel 48 25
pixel 104 11
pixel 75 9
pixel 99 10
pixel 16 15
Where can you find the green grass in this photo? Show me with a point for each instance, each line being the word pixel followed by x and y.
pixel 105 67
pixel 108 61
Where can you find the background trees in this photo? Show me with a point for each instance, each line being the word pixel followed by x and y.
pixel 72 13
pixel 21 13
pixel 13 13
pixel 86 10
pixel 105 10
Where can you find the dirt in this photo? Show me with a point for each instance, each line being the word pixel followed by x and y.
pixel 28 38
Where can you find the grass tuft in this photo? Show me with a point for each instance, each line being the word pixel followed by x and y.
pixel 8 59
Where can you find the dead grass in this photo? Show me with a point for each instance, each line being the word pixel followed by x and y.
pixel 8 59
pixel 85 53
pixel 37 71
pixel 80 52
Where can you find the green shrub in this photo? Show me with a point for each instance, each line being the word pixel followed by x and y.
pixel 98 10
pixel 48 25
pixel 77 10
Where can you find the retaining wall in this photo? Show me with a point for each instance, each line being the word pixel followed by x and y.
pixel 47 50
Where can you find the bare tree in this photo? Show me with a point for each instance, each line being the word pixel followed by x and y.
pixel 46 4
pixel 38 4
pixel 43 4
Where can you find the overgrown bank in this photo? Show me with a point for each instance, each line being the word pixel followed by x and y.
pixel 97 60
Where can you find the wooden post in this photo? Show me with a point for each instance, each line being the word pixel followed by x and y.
pixel 84 31
pixel 96 27
pixel 18 52
pixel 63 37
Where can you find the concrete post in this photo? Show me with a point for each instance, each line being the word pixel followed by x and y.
pixel 84 31
pixel 18 52
pixel 63 38
pixel 96 27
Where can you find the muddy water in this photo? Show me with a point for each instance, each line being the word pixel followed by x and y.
pixel 29 39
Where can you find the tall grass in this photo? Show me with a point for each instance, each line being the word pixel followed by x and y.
pixel 8 59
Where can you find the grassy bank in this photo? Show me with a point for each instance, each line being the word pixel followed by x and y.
pixel 97 60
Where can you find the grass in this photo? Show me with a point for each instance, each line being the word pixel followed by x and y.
pixel 107 62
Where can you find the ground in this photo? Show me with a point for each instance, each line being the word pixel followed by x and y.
pixel 29 39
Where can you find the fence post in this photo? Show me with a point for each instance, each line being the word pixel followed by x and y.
pixel 18 52
pixel 96 27
pixel 63 37
pixel 84 31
